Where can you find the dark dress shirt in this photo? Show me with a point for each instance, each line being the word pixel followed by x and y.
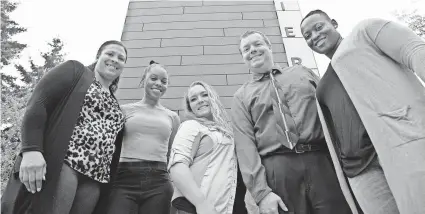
pixel 255 123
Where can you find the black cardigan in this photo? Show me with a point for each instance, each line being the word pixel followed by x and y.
pixel 47 126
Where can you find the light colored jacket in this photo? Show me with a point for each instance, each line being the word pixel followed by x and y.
pixel 377 64
pixel 214 171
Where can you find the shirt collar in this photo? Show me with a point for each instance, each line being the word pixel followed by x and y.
pixel 276 69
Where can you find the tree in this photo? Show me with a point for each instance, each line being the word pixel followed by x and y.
pixel 13 105
pixel 52 57
pixel 10 49
pixel 55 56
pixel 414 20
pixel 11 117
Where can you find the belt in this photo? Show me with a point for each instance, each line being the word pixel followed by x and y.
pixel 301 148
pixel 306 147
pixel 144 164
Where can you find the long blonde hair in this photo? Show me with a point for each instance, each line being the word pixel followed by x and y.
pixel 221 120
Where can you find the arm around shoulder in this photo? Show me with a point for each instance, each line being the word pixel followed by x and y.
pixel 175 126
pixel 176 121
pixel 312 76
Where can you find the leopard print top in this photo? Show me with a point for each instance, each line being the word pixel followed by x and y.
pixel 92 143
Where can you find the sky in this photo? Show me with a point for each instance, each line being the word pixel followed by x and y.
pixel 84 24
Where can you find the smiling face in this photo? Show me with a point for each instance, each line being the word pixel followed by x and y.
pixel 199 102
pixel 320 33
pixel 256 53
pixel 110 62
pixel 156 82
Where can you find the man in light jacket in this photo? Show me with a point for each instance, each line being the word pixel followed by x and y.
pixel 372 107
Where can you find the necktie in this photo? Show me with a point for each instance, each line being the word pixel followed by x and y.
pixel 281 123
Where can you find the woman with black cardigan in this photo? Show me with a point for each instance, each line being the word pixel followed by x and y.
pixel 71 138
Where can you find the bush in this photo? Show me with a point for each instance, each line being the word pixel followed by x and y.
pixel 13 109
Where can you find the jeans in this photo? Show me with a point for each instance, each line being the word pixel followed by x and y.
pixel 372 192
pixel 306 182
pixel 141 187
pixel 76 193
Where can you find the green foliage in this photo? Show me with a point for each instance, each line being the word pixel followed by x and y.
pixel 10 49
pixel 14 102
pixel 13 108
pixel 15 97
pixel 55 56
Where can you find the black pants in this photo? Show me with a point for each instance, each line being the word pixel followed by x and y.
pixel 306 182
pixel 141 187
pixel 239 206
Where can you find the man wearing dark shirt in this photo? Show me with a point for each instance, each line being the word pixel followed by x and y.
pixel 356 150
pixel 279 140
pixel 356 153
pixel 352 143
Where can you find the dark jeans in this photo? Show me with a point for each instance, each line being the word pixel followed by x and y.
pixel 76 193
pixel 306 182
pixel 141 187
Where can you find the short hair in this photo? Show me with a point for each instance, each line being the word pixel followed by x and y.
pixel 250 32
pixel 320 12
pixel 152 64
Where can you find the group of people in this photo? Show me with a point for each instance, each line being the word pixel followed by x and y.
pixel 351 142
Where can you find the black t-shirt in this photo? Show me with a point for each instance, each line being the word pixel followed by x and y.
pixel 353 144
